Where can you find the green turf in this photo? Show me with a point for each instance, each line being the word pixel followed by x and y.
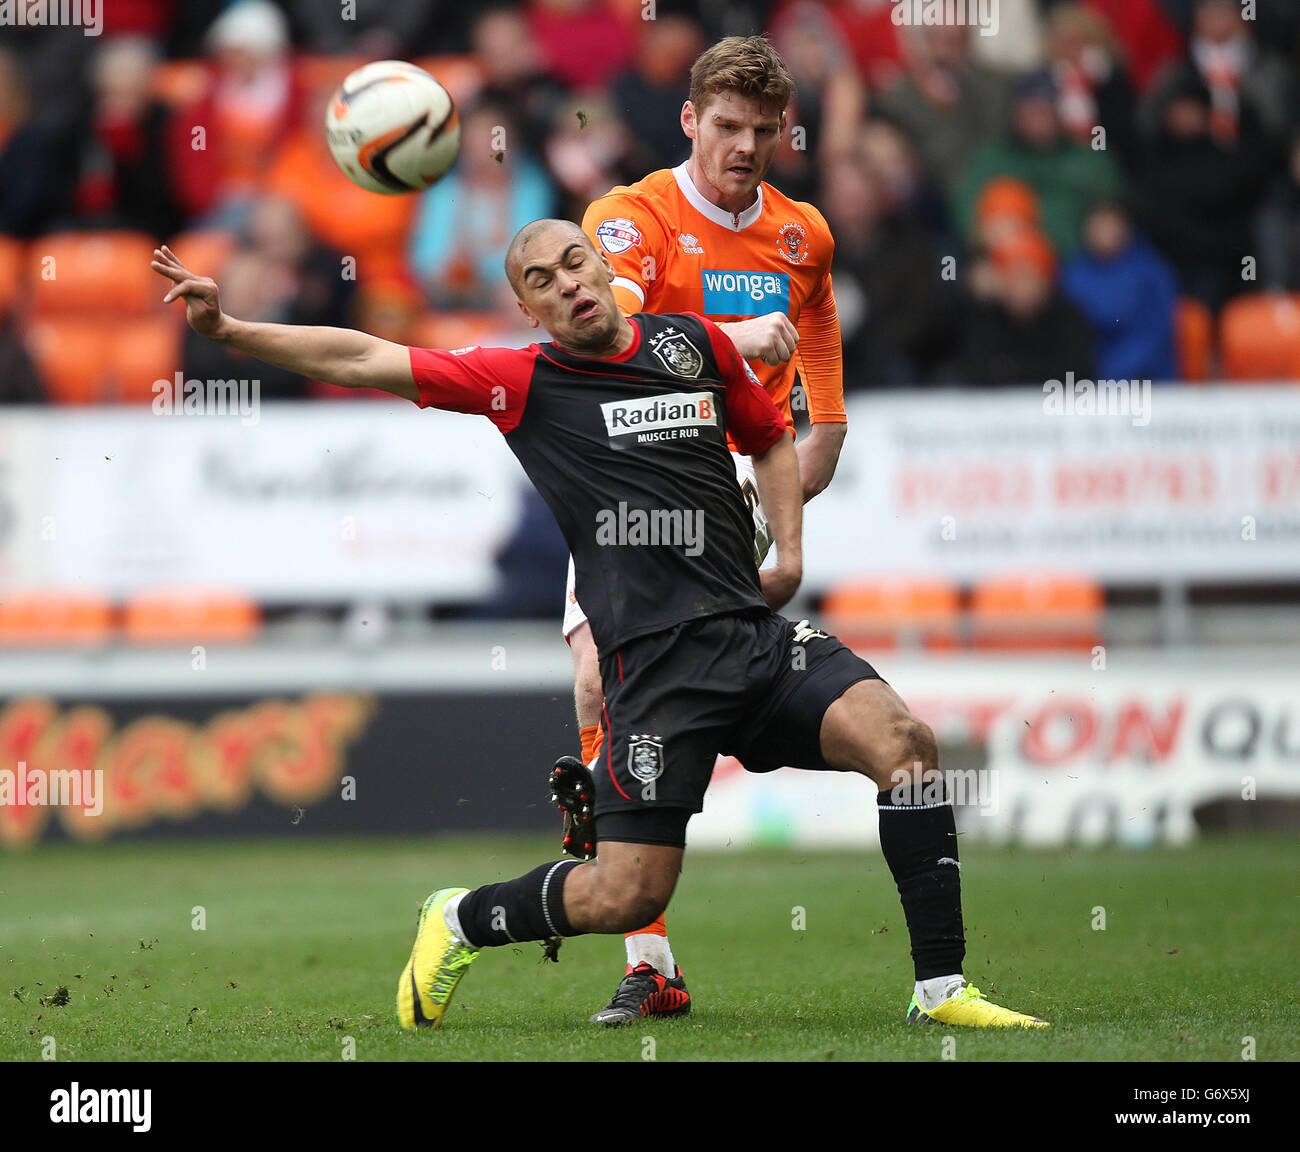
pixel 304 942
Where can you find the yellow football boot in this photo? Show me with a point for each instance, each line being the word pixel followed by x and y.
pixel 969 1009
pixel 438 961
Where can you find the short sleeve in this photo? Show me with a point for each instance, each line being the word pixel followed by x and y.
pixel 624 227
pixel 491 382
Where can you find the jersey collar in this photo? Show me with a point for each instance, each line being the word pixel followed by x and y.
pixel 626 354
pixel 711 211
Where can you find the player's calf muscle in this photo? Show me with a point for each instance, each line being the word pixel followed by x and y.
pixel 625 889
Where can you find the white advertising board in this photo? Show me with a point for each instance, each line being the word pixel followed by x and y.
pixel 1074 755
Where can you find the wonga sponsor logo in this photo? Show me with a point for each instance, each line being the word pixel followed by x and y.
pixel 728 293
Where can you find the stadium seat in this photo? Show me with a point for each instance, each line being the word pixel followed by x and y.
pixel 202 250
pixel 1193 339
pixel 190 616
pixel 44 618
pixel 93 274
pixel 12 259
pixel 460 75
pixel 886 612
pixel 144 349
pixel 318 71
pixel 454 329
pixel 371 229
pixel 72 355
pixel 180 82
pixel 1260 337
pixel 1037 612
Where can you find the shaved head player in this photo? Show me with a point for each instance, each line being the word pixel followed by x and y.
pixel 635 412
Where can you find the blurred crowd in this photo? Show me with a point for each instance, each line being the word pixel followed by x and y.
pixel 1073 193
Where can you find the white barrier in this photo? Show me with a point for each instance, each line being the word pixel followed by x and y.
pixel 967 484
pixel 327 501
pixel 1074 755
pixel 336 500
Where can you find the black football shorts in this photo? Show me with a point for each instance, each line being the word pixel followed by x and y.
pixel 750 684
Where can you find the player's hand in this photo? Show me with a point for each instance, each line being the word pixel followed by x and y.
pixel 202 304
pixel 779 585
pixel 771 338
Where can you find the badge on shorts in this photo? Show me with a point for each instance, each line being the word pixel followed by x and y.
pixel 645 757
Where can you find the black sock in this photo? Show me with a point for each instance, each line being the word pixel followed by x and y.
pixel 529 908
pixel 920 846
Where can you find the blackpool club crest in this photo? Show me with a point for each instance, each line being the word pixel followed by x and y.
pixel 677 353
pixel 792 243
pixel 645 758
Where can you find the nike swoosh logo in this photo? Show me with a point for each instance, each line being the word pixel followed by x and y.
pixel 415 994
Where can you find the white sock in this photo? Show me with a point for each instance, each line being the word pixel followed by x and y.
pixel 652 949
pixel 932 993
pixel 451 915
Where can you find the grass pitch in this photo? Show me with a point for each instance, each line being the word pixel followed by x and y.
pixel 789 955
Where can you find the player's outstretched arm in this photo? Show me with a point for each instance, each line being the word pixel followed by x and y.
pixel 779 491
pixel 336 355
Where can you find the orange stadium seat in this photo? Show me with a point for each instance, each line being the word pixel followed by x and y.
pixel 454 329
pixel 1260 337
pixel 459 74
pixel 93 274
pixel 100 361
pixel 144 349
pixel 882 613
pixel 12 258
pixel 1193 339
pixel 180 82
pixel 189 616
pixel 1037 612
pixel 202 250
pixel 72 356
pixel 372 230
pixel 316 72
pixel 50 617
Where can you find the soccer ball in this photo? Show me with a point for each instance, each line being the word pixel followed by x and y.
pixel 392 128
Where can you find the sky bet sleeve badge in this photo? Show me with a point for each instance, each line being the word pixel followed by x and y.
pixel 618 235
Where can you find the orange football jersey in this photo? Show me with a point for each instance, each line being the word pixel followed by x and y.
pixel 674 251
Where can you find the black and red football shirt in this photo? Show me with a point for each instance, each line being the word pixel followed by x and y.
pixel 630 453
